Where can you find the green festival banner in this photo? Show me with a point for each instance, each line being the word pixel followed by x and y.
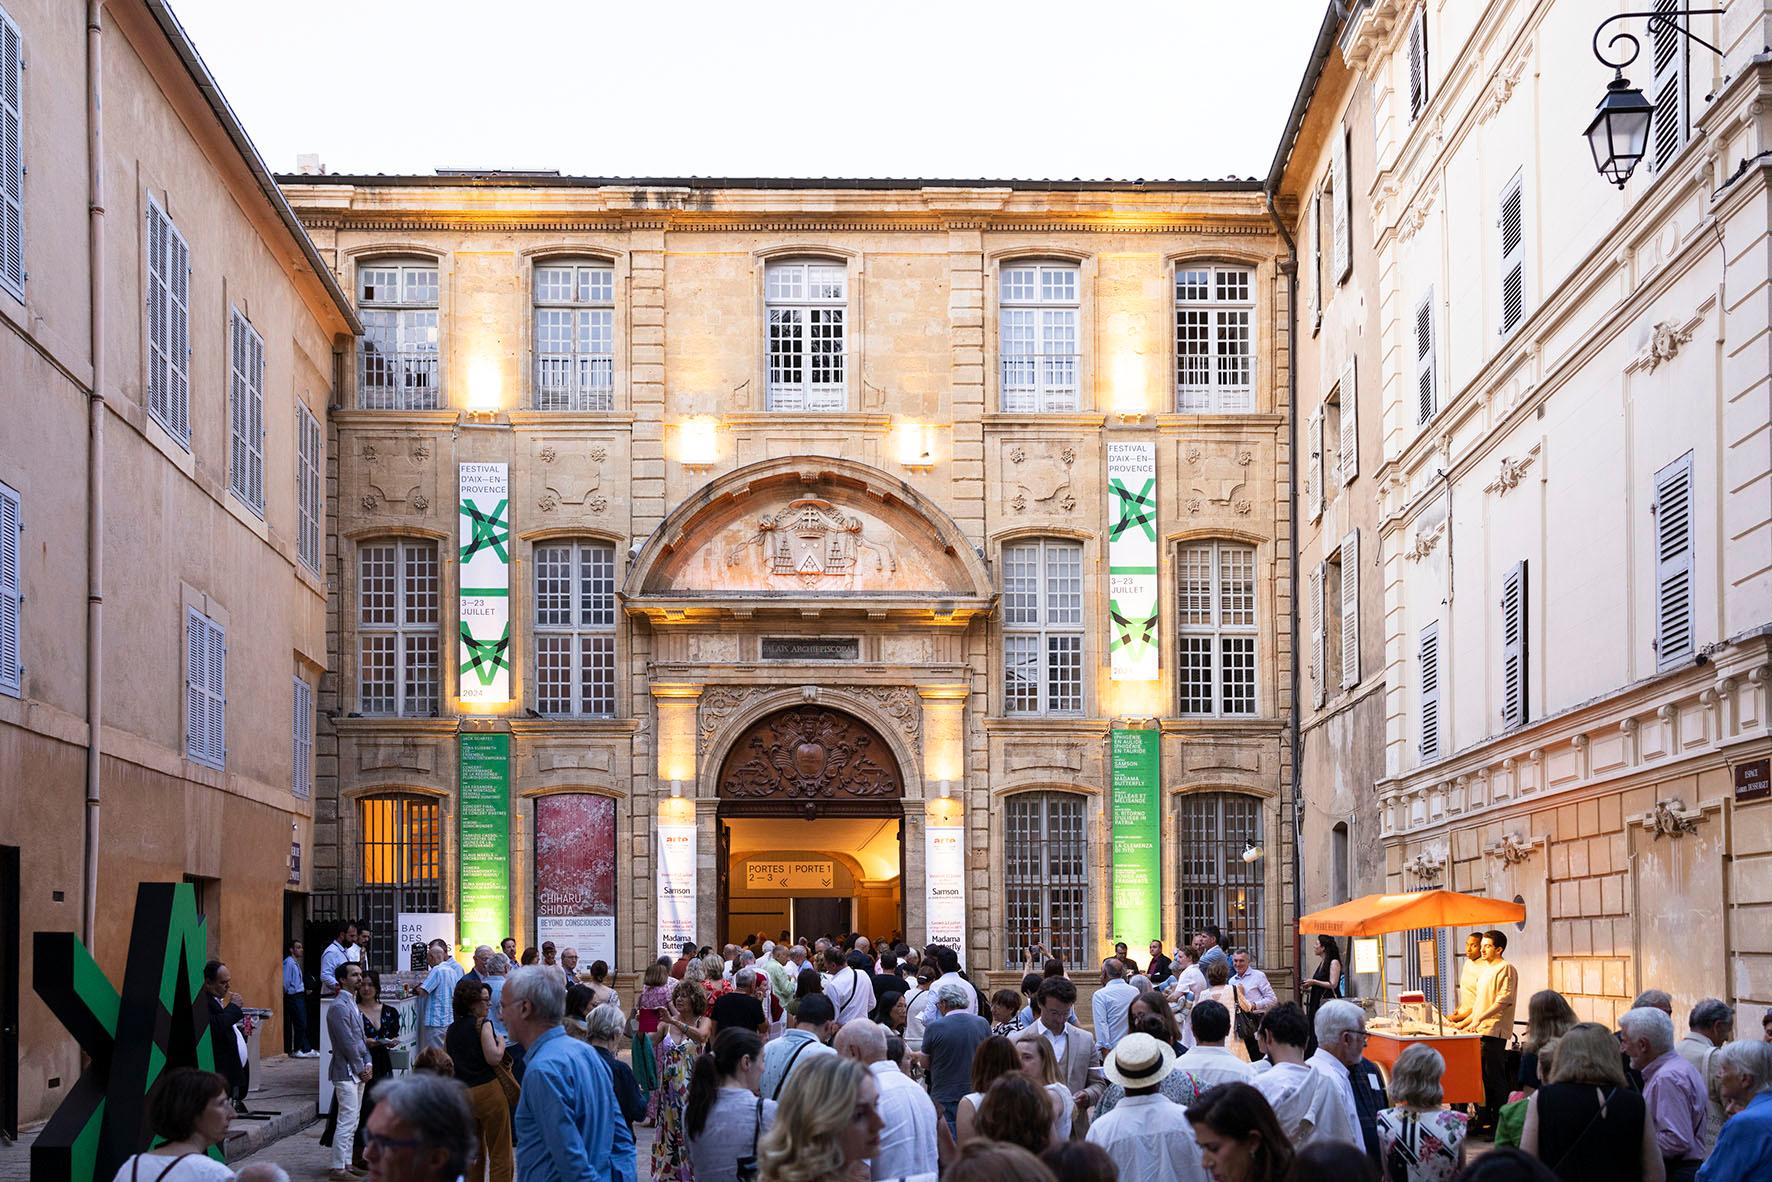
pixel 483 602
pixel 1132 561
pixel 485 813
pixel 1138 841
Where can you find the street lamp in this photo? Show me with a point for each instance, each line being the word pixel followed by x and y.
pixel 1619 133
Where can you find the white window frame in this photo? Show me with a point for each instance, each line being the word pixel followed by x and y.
pixel 301 740
pixel 168 324
pixel 580 377
pixel 1427 393
pixel 246 412
pixel 1224 307
pixel 1430 674
pixel 1676 567
pixel 574 628
pixel 1513 256
pixel 12 157
pixel 409 376
pixel 1043 627
pixel 407 630
pixel 1314 492
pixel 1313 287
pixel 206 690
pixel 12 597
pixel 1417 83
pixel 812 294
pixel 310 487
pixel 1210 624
pixel 1039 336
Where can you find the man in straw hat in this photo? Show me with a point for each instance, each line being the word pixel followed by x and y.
pixel 1146 1134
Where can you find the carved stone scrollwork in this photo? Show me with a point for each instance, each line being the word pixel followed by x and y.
pixel 570 475
pixel 899 703
pixel 810 753
pixel 717 704
pixel 1038 477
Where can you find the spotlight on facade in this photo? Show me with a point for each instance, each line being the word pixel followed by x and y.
pixel 1252 853
pixel 947 791
pixel 676 790
pixel 698 443
pixel 1619 133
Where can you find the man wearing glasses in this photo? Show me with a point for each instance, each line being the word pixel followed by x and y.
pixel 422 1129
pixel 1341 1057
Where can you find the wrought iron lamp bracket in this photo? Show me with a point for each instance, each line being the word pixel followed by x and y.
pixel 1635 45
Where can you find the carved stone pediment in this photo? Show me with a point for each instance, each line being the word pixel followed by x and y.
pixel 810 753
pixel 811 540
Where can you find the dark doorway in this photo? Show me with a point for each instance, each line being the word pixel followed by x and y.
pixel 10 935
pixel 821 917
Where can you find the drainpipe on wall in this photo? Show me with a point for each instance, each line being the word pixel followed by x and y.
pixel 95 467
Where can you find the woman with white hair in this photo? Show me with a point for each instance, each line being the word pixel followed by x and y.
pixel 1744 1147
pixel 1418 1139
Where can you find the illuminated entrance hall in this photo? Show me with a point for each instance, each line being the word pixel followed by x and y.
pixel 812 878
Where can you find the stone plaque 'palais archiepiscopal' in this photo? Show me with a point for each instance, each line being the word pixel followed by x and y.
pixel 731 556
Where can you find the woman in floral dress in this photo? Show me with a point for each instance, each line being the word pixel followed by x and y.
pixel 689 1030
pixel 1419 1140
pixel 649 1013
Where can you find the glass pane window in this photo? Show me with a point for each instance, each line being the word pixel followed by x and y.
pixel 1037 337
pixel 1217 628
pixel 1217 886
pixel 399 634
pixel 575 629
pixel 806 337
pixel 1214 339
pixel 1046 876
pixel 575 336
pixel 397 361
pixel 401 841
pixel 1043 627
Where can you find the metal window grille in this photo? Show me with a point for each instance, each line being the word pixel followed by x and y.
pixel 1214 339
pixel 246 412
pixel 310 488
pixel 301 762
pixel 400 867
pixel 1037 313
pixel 378 909
pixel 1043 627
pixel 12 158
pixel 169 325
pixel 807 306
pixel 11 592
pixel 1442 988
pixel 575 337
pixel 1046 876
pixel 1215 595
pixel 575 629
pixel 397 364
pixel 399 639
pixel 1217 886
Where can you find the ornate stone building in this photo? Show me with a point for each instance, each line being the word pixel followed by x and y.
pixel 808 514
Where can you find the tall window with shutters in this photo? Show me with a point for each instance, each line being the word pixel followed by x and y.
pixel 301 740
pixel 169 325
pixel 1341 214
pixel 1515 700
pixel 1313 462
pixel 206 697
pixel 1512 226
pixel 1217 632
pixel 1037 311
pixel 246 412
pixel 1347 438
pixel 1669 53
pixel 399 635
pixel 12 157
pixel 575 629
pixel 1426 396
pixel 310 486
pixel 1418 78
pixel 1217 886
pixel 807 304
pixel 1043 627
pixel 574 336
pixel 397 366
pixel 1214 339
pixel 1319 593
pixel 1427 667
pixel 1045 876
pixel 1674 592
pixel 12 526
pixel 1347 638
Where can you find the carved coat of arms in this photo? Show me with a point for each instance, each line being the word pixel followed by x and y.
pixel 811 539
pixel 809 753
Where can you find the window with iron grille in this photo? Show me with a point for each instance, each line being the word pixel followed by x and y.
pixel 1043 627
pixel 574 336
pixel 1217 886
pixel 11 592
pixel 12 157
pixel 1046 876
pixel 1214 339
pixel 206 695
pixel 807 305
pixel 246 412
pixel 1037 308
pixel 575 629
pixel 399 638
pixel 169 325
pixel 1215 594
pixel 310 487
pixel 401 842
pixel 301 735
pixel 397 365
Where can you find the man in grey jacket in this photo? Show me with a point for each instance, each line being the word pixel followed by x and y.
pixel 349 1068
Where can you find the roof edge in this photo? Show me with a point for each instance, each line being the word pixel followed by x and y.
pixel 1333 15
pixel 529 180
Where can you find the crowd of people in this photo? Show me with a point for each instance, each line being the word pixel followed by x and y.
pixel 848 1060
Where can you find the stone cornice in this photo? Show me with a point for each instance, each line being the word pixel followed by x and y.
pixel 346 724
pixel 439 221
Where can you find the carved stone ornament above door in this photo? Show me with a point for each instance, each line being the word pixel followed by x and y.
pixel 810 753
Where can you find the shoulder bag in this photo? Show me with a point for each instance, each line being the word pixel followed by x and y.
pixel 785 1068
pixel 747 1164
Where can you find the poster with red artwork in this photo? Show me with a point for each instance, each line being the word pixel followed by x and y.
pixel 575 875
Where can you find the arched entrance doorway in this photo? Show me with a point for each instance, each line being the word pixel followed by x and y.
pixel 811 824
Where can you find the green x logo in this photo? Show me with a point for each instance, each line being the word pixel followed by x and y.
pixel 1133 635
pixel 1136 509
pixel 485 657
pixel 489 530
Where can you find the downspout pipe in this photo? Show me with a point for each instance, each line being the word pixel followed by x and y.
pixel 95 467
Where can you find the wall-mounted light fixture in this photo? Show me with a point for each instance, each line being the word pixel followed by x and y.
pixel 676 790
pixel 698 441
pixel 915 444
pixel 1252 853
pixel 485 397
pixel 1129 399
pixel 1619 133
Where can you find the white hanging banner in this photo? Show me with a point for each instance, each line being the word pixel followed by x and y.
pixel 484 600
pixel 1132 561
pixel 676 888
pixel 944 885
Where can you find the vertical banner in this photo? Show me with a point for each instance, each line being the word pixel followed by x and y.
pixel 484 595
pixel 944 891
pixel 1138 839
pixel 485 827
pixel 575 874
pixel 1132 561
pixel 676 888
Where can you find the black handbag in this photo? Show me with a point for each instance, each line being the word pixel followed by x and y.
pixel 747 1165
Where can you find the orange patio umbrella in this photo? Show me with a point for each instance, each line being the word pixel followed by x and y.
pixel 1374 915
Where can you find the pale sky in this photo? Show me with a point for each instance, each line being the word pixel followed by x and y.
pixel 1188 89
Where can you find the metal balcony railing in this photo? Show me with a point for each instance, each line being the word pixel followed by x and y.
pixel 565 381
pixel 406 380
pixel 1039 381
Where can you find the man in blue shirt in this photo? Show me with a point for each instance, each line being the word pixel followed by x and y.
pixel 438 994
pixel 566 1116
pixel 295 1006
pixel 1743 1151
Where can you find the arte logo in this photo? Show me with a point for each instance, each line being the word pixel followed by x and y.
pixel 157 1023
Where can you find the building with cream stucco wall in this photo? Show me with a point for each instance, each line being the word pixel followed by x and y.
pixel 871 536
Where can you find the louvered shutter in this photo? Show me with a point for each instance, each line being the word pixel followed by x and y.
pixel 1318 689
pixel 255 436
pixel 1418 62
pixel 237 397
pixel 1424 359
pixel 196 704
pixel 11 591
pixel 169 325
pixel 218 694
pixel 1667 47
pixel 1348 462
pixel 302 740
pixel 1341 215
pixel 1313 472
pixel 12 158
pixel 1515 709
pixel 1350 610
pixel 1673 563
pixel 1314 288
pixel 1428 662
pixel 1513 258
